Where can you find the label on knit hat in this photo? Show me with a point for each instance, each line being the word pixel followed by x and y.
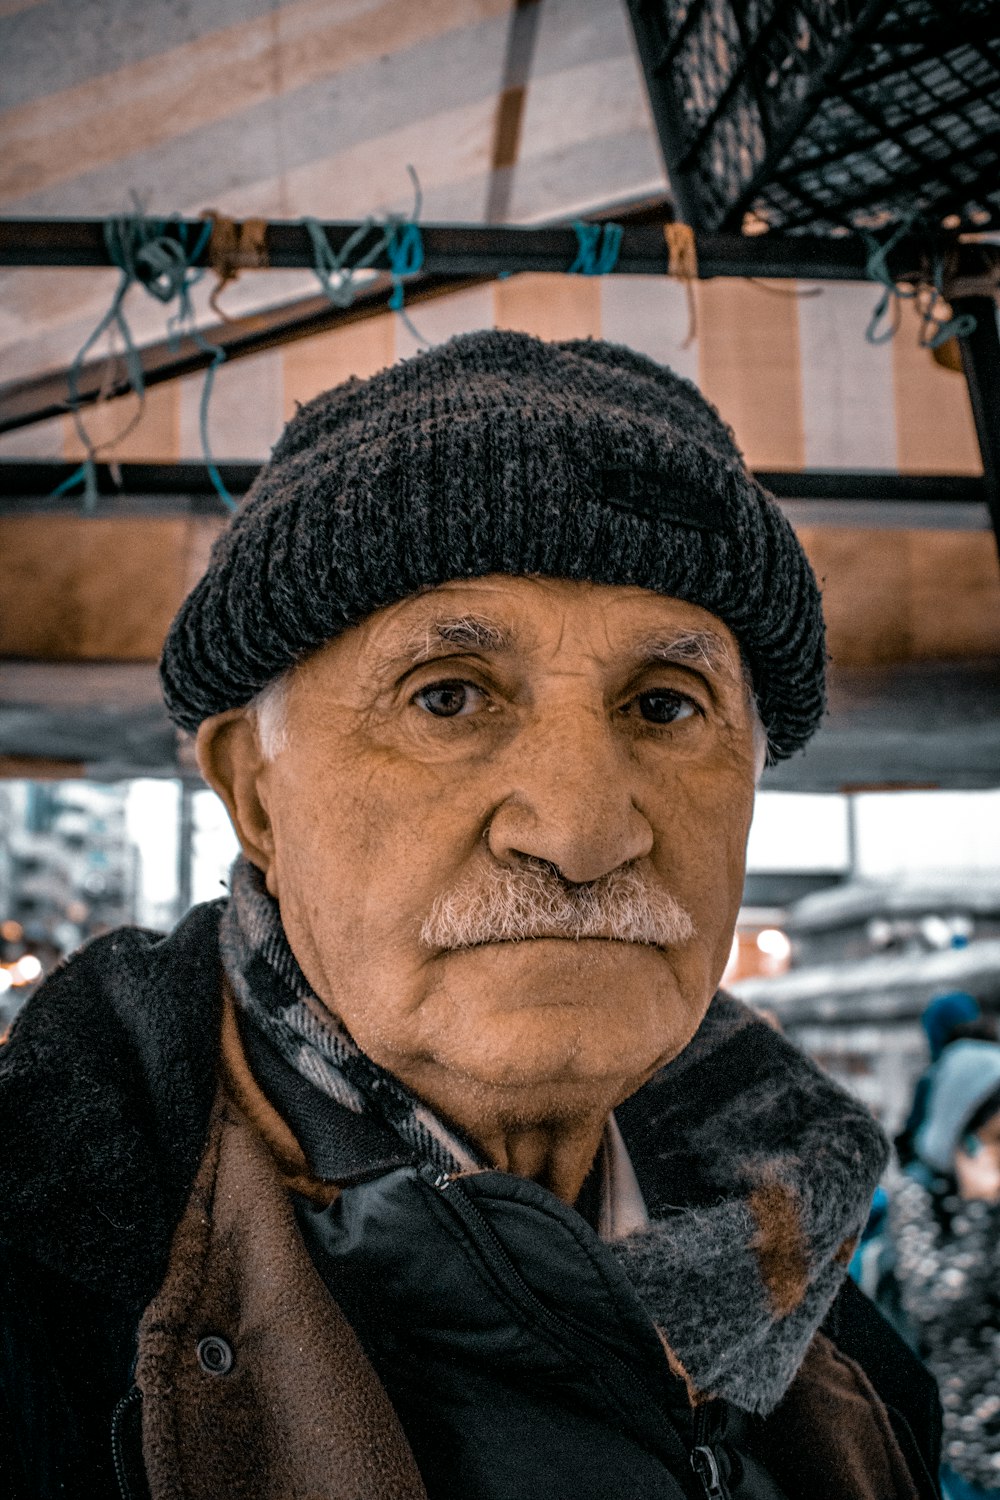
pixel 644 492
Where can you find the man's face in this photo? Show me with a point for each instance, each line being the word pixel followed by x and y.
pixel 493 727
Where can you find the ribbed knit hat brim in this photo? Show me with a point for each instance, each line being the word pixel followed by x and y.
pixel 497 453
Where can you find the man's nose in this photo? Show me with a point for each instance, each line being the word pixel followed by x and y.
pixel 571 801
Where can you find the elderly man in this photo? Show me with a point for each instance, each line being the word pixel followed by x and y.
pixel 427 1164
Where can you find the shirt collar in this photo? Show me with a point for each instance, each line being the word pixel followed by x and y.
pixel 623 1208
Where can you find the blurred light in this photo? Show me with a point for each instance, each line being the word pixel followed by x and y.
pixel 5 980
pixel 936 931
pixel 879 932
pixel 26 969
pixel 774 943
pixel 754 224
pixel 11 931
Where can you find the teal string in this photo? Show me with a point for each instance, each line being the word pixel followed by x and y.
pixel 335 273
pixel 405 248
pixel 598 248
pixel 877 269
pixel 958 327
pixel 84 475
pixel 400 240
pixel 184 322
pixel 218 358
pixel 119 252
pixel 163 265
pixel 933 334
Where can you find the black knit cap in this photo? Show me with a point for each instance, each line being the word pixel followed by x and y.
pixel 498 453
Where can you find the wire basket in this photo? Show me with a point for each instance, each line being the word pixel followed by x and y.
pixel 824 116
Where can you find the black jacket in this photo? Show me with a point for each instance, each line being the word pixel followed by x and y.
pixel 106 1086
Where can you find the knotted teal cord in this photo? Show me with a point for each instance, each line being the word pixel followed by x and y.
pixel 336 272
pixel 598 248
pixel 400 241
pixel 183 322
pixel 165 267
pixel 404 246
pixel 959 326
pixel 877 269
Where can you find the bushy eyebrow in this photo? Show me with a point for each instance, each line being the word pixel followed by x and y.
pixel 471 632
pixel 691 648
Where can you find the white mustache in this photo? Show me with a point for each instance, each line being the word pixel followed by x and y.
pixel 511 904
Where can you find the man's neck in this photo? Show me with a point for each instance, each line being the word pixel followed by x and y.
pixel 556 1156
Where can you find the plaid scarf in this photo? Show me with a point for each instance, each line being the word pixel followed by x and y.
pixel 276 997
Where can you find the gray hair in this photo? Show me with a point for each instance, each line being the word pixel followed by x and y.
pixel 268 712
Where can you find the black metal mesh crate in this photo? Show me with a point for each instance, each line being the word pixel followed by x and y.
pixel 822 116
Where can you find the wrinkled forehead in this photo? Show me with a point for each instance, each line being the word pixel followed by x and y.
pixel 502 613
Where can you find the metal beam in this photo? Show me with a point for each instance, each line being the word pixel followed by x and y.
pixel 107 718
pixel 449 249
pixel 29 483
pixel 656 57
pixel 522 34
pixel 26 486
pixel 456 257
pixel 843 484
pixel 487 250
pixel 981 363
pixel 25 402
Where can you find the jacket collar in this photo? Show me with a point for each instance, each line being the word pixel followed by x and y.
pixel 106 1084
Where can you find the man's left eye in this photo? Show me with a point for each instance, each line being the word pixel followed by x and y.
pixel 664 706
pixel 449 700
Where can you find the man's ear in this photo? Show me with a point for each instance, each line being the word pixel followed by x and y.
pixel 230 759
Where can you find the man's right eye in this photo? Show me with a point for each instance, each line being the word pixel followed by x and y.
pixel 449 700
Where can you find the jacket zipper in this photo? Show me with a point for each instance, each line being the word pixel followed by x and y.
pixel 132 1398
pixel 703 1459
pixel 497 1257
